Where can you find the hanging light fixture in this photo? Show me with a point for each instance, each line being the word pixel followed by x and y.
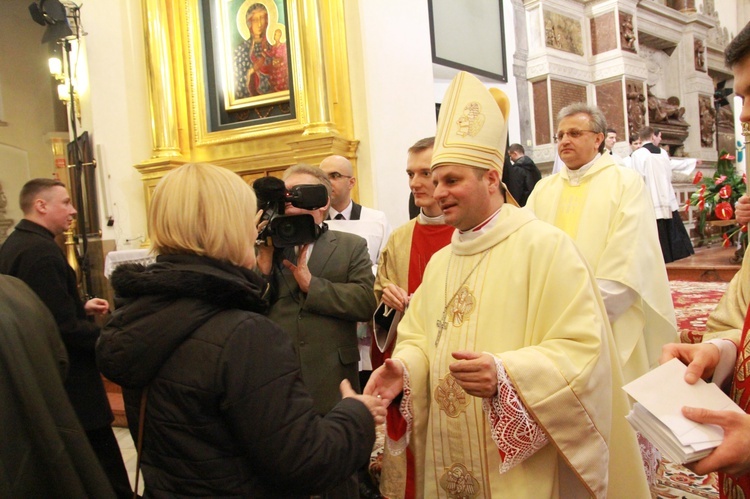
pixel 54 15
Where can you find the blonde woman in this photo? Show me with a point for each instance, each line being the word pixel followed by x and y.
pixel 227 413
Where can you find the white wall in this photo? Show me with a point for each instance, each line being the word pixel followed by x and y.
pixel 391 75
pixel 116 112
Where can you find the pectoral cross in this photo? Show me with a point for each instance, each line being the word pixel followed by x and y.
pixel 442 325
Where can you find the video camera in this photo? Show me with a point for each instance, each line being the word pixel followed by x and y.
pixel 288 230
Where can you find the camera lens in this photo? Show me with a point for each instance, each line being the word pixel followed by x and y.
pixel 287 229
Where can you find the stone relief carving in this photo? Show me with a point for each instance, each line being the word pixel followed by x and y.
pixel 699 50
pixel 718 34
pixel 5 223
pixel 627 33
pixel 656 60
pixel 665 110
pixel 563 33
pixel 708 120
pixel 636 107
pixel 569 71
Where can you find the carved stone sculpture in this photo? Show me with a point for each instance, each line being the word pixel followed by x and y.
pixel 708 120
pixel 627 33
pixel 563 33
pixel 699 54
pixel 636 107
pixel 665 110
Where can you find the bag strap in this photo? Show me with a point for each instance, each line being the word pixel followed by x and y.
pixel 139 443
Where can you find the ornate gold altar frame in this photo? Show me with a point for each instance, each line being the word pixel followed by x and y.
pixel 322 122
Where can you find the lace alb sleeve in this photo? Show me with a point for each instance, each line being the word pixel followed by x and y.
pixel 397 443
pixel 516 434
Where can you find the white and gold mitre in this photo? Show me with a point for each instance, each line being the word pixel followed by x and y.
pixel 472 128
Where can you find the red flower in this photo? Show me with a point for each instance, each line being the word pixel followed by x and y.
pixel 698 177
pixel 720 180
pixel 701 204
pixel 727 242
pixel 702 190
pixel 743 228
pixel 725 192
pixel 687 206
pixel 727 156
pixel 724 211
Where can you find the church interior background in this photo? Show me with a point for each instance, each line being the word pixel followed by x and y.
pixel 153 88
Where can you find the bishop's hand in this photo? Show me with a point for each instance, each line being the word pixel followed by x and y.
pixel 476 373
pixel 387 381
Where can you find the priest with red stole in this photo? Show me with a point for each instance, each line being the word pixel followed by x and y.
pixel 398 276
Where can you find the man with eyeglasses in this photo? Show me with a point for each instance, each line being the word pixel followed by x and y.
pixel 375 227
pixel 606 210
pixel 341 174
pixel 655 167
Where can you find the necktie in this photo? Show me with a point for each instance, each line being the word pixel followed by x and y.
pixel 339 217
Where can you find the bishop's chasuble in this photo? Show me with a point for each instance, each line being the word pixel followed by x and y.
pixel 608 214
pixel 522 292
pixel 423 236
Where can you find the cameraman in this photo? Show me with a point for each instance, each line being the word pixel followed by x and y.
pixel 320 291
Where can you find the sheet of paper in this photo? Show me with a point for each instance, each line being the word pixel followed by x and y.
pixel 663 392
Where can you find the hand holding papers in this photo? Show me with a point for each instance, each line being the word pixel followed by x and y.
pixel 657 415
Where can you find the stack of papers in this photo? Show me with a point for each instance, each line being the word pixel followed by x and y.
pixel 660 395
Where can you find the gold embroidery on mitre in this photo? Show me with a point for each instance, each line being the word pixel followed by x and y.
pixel 459 483
pixel 471 121
pixel 450 397
pixel 462 307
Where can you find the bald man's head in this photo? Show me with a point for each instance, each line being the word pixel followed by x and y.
pixel 341 174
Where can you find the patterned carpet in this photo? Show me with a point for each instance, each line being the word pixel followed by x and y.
pixel 693 301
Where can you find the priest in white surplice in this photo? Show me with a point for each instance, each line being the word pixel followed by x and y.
pixel 655 166
pixel 505 365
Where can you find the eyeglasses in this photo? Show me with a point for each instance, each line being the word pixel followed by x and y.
pixel 573 134
pixel 337 175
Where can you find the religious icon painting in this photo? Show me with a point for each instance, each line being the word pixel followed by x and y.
pixel 254 55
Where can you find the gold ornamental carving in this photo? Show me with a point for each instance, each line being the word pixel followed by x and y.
pixel 319 121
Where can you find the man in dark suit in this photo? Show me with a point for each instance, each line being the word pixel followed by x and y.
pixel 31 254
pixel 525 174
pixel 45 452
pixel 318 296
